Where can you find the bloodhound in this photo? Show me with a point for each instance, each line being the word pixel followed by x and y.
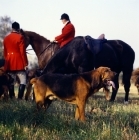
pixel 74 88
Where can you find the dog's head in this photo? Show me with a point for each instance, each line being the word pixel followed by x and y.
pixel 6 79
pixel 105 76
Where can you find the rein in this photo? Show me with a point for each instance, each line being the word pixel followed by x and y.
pixel 46 48
pixel 42 51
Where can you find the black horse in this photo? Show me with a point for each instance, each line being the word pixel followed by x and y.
pixel 77 57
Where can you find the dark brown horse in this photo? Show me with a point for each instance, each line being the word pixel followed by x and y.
pixel 77 58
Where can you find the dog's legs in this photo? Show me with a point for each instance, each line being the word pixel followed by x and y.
pixel 107 92
pixel 77 113
pixel 82 111
pixel 81 108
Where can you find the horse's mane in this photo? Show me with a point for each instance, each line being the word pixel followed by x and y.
pixel 34 35
pixel 135 75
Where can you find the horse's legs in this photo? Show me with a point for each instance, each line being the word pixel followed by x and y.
pixel 127 84
pixel 114 91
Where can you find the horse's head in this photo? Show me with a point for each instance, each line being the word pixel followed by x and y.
pixel 41 46
pixel 26 37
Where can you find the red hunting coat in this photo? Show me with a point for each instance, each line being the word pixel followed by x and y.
pixel 14 52
pixel 68 33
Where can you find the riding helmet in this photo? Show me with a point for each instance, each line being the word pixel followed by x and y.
pixel 16 25
pixel 65 16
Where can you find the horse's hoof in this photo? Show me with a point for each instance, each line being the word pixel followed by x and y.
pixel 125 102
pixel 111 100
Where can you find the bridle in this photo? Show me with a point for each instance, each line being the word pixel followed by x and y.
pixel 48 46
pixel 44 48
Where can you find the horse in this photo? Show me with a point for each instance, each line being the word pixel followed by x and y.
pixel 77 58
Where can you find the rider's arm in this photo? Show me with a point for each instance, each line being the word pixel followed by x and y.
pixel 68 30
pixel 23 51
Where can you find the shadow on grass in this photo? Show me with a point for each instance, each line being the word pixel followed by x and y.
pixel 25 113
pixel 16 117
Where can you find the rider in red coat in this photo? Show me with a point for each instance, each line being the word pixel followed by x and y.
pixel 68 32
pixel 64 40
pixel 15 59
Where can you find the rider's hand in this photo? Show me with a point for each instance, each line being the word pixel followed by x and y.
pixel 52 41
pixel 26 68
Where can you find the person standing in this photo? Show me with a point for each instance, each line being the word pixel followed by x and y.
pixel 16 60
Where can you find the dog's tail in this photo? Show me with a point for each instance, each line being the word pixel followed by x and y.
pixel 33 80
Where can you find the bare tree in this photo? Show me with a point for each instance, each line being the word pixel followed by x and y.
pixel 5 28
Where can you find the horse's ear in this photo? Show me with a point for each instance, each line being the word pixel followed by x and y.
pixel 21 31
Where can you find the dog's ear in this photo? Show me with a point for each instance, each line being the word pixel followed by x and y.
pixel 33 80
pixel 95 78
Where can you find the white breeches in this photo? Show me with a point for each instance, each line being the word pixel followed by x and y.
pixel 21 75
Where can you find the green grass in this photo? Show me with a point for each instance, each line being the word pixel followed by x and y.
pixel 19 120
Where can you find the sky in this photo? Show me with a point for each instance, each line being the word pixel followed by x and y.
pixel 117 19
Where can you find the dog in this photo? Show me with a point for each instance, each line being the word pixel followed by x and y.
pixel 135 78
pixel 31 74
pixel 74 88
pixel 5 81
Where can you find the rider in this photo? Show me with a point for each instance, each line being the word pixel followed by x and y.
pixel 68 31
pixel 67 35
pixel 15 59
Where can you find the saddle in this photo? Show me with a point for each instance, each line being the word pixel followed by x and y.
pixel 95 45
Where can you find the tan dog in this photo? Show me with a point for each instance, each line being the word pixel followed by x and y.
pixel 74 88
pixel 135 78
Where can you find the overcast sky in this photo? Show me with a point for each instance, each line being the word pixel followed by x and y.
pixel 117 19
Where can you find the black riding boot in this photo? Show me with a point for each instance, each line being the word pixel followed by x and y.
pixel 11 91
pixel 21 91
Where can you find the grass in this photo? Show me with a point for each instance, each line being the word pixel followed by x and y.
pixel 106 121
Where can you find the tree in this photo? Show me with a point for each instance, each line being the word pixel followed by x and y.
pixel 5 28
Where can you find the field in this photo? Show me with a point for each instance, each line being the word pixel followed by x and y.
pixel 106 121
